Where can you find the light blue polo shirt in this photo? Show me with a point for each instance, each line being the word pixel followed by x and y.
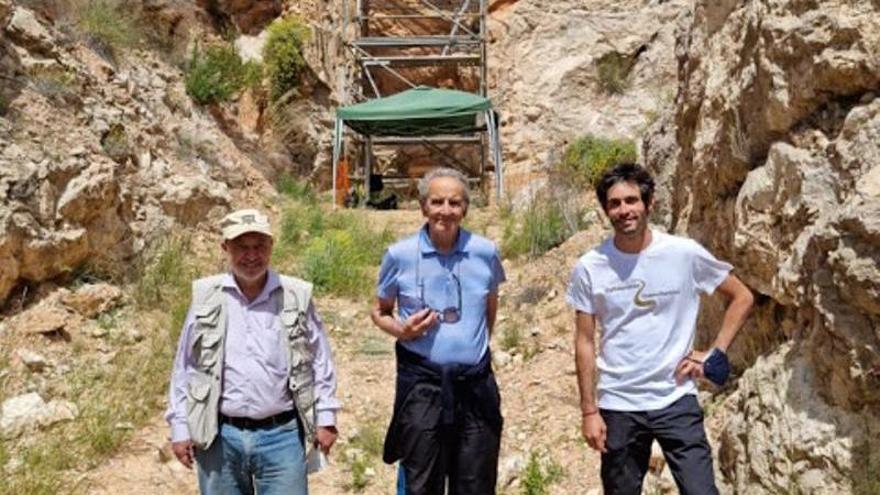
pixel 413 271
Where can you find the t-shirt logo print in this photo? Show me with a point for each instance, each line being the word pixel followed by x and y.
pixel 637 298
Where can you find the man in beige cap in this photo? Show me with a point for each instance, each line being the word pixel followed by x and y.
pixel 253 382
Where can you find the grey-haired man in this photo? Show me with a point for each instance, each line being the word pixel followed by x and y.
pixel 443 280
pixel 253 382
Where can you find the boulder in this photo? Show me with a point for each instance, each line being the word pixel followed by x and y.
pixel 46 318
pixel 29 411
pixel 90 300
pixel 33 361
pixel 24 28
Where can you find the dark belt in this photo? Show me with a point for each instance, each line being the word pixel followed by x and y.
pixel 257 424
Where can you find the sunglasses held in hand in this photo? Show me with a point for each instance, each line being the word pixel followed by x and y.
pixel 449 314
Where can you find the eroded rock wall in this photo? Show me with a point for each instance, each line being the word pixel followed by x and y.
pixel 543 70
pixel 98 156
pixel 772 159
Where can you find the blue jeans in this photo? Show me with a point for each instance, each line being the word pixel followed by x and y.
pixel 269 461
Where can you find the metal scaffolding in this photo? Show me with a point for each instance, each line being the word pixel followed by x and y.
pixel 401 44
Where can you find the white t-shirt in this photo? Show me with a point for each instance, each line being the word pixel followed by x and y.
pixel 647 305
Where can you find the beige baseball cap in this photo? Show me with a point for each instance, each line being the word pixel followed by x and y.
pixel 244 221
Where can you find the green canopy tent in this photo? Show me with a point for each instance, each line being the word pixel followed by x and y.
pixel 421 112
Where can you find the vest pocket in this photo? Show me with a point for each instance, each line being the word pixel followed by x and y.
pixel 299 355
pixel 207 315
pixel 201 410
pixel 198 387
pixel 206 349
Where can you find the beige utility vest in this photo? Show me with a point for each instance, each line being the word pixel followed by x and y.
pixel 205 384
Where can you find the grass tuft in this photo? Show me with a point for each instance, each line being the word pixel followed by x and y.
pixel 538 476
pixel 55 83
pixel 364 453
pixel 115 143
pixel 296 190
pixel 339 261
pixel 538 229
pixel 613 69
pixel 511 338
pixel 108 26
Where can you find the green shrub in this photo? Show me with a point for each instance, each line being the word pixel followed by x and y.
pixel 587 158
pixel 537 476
pixel 108 25
pixel 538 229
pixel 282 54
pixel 219 73
pixel 359 480
pixel 613 69
pixel 338 261
pixel 511 338
pixel 335 250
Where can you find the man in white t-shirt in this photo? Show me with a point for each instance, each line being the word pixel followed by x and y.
pixel 643 287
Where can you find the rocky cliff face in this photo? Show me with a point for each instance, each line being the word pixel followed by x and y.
pixel 772 159
pixel 544 61
pixel 98 157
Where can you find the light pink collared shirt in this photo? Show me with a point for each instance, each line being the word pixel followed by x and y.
pixel 255 364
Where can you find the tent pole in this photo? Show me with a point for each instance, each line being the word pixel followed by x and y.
pixel 483 143
pixel 498 157
pixel 335 161
pixel 496 153
pixel 490 134
pixel 368 169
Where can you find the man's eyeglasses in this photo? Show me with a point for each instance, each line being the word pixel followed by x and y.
pixel 451 312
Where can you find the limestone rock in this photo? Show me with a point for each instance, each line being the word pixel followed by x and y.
pixel 190 200
pixel 26 30
pixel 509 469
pixel 33 361
pixel 43 319
pixel 90 300
pixel 29 411
pixel 8 249
pixel 250 48
pixel 544 58
pixel 776 423
pixel 500 358
pixel 774 168
pixel 99 166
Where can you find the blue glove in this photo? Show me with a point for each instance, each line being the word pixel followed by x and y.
pixel 716 367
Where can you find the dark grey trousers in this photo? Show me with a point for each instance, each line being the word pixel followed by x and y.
pixel 679 431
